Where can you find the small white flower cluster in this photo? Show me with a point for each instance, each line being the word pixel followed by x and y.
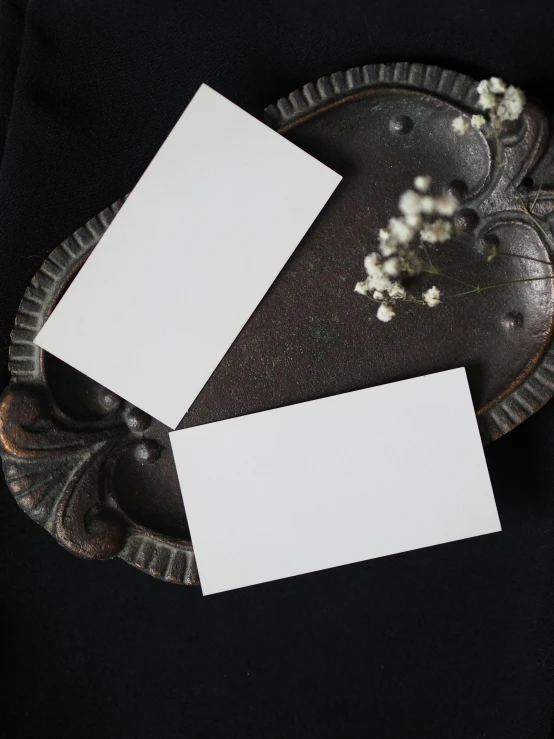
pixel 502 103
pixel 432 296
pixel 397 258
pixel 463 124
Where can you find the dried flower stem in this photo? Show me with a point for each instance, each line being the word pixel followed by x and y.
pixel 427 255
pixel 474 289
pixel 480 289
pixel 437 272
pixel 529 213
pixel 499 148
pixel 536 196
pixel 524 256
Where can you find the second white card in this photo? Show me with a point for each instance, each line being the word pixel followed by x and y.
pixel 334 481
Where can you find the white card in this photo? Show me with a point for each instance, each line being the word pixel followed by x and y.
pixel 334 481
pixel 205 232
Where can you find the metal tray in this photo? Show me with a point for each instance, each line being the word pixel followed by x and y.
pixel 98 473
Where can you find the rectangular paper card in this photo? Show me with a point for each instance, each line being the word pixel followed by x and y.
pixel 334 481
pixel 205 232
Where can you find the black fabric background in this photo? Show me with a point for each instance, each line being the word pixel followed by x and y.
pixel 453 642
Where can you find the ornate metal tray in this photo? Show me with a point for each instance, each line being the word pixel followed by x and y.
pixel 98 473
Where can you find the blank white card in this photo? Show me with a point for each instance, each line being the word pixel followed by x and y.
pixel 334 481
pixel 205 232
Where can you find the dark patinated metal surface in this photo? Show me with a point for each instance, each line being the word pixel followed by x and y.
pixel 98 473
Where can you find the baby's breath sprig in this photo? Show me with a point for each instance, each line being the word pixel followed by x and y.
pixel 500 103
pixel 427 220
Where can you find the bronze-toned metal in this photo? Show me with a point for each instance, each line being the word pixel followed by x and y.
pixel 98 474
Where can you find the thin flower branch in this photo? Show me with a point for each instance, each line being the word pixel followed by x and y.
pixel 425 219
pixel 536 198
pixel 438 273
pixel 483 288
pixel 524 256
pixel 529 213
